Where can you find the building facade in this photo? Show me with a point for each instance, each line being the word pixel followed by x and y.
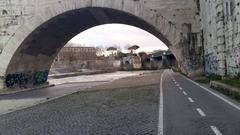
pixel 74 58
pixel 76 53
pixel 220 21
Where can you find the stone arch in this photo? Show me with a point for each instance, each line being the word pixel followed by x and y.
pixel 33 46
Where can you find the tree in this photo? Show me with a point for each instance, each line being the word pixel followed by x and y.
pixel 112 50
pixel 133 48
pixel 120 55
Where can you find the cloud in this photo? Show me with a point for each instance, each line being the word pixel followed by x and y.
pixel 121 35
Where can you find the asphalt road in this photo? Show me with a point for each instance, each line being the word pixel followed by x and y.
pixel 151 104
pixel 191 110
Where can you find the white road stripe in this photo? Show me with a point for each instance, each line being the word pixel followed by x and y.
pixel 190 100
pixel 177 85
pixel 185 93
pixel 225 100
pixel 215 130
pixel 201 112
pixel 180 88
pixel 160 120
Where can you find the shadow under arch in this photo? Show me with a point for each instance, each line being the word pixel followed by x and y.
pixel 32 60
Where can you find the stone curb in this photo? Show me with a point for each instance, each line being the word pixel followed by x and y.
pixel 226 89
pixel 222 86
pixel 25 90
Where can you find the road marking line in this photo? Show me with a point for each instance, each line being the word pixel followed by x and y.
pixel 160 120
pixel 180 88
pixel 215 130
pixel 190 100
pixel 206 89
pixel 201 112
pixel 177 85
pixel 185 93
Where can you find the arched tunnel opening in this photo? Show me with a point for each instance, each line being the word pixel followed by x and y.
pixel 110 48
pixel 31 62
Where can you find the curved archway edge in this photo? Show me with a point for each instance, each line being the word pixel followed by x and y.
pixel 32 60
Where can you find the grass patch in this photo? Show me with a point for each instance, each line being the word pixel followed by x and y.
pixel 232 82
pixel 214 77
pixel 205 81
pixel 232 94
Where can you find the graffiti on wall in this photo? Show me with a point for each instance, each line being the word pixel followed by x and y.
pixel 233 61
pixel 40 77
pixel 211 64
pixel 24 80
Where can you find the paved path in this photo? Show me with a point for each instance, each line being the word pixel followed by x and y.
pixel 191 110
pixel 109 109
pixel 63 87
pixel 150 104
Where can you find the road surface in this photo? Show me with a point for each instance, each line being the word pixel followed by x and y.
pixel 159 103
pixel 64 86
pixel 191 110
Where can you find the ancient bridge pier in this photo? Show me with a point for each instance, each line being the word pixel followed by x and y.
pixel 33 31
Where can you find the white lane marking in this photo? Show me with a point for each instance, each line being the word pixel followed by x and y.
pixel 160 120
pixel 215 130
pixel 180 88
pixel 201 112
pixel 225 100
pixel 190 100
pixel 177 85
pixel 185 93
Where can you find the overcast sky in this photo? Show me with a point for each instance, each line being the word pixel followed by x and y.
pixel 119 35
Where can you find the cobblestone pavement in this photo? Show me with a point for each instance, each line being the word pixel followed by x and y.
pixel 112 111
pixel 64 86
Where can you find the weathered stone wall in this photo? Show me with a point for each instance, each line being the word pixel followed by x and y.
pixel 221 28
pixel 232 36
pixel 176 21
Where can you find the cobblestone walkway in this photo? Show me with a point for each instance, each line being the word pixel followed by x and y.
pixel 125 111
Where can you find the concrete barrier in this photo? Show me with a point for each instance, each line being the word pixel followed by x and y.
pixel 226 89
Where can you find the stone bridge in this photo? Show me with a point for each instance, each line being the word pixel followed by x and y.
pixel 33 31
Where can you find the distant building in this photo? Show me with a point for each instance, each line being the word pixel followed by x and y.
pixel 74 58
pixel 76 53
pixel 132 62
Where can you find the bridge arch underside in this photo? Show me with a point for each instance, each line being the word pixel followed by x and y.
pixel 31 62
